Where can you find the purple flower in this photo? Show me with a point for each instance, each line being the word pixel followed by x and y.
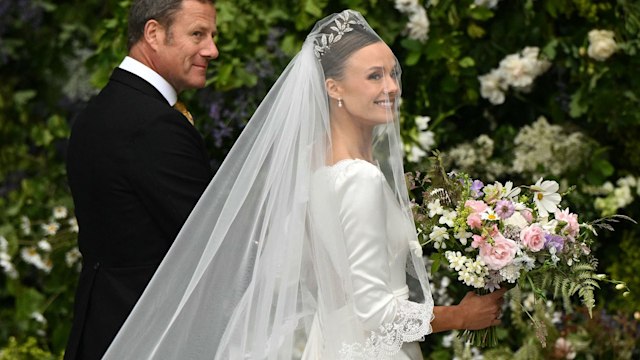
pixel 476 188
pixel 504 209
pixel 555 241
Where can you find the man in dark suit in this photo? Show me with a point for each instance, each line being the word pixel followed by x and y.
pixel 136 166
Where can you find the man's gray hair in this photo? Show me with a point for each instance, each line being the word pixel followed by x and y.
pixel 144 10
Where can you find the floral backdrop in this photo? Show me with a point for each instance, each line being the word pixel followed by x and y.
pixel 504 89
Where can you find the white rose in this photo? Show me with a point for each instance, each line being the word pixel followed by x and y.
pixel 601 44
pixel 492 86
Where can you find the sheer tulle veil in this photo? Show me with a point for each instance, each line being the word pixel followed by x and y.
pixel 251 272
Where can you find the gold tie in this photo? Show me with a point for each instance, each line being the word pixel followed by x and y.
pixel 183 109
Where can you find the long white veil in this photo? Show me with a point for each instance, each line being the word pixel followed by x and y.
pixel 244 279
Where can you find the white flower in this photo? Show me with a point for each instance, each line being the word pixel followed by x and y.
pixel 44 245
pixel 72 256
pixel 438 235
pixel 542 148
pixel 546 196
pixel 31 256
pixel 628 181
pixel 4 244
pixel 564 348
pixel 50 228
pixel 447 340
pixel 415 154
pixel 73 225
pixel 25 225
pixel 510 273
pixel 487 3
pixel 418 26
pixel 493 86
pixel 490 215
pixel 477 267
pixel 60 212
pixel 448 217
pixel 623 196
pixel 435 208
pixel 457 261
pixel 517 220
pixel 426 139
pixel 7 266
pixel 509 192
pixel 38 317
pixel 463 236
pixel 601 44
pixel 607 187
pixel 518 71
pixel 405 6
pixel 422 122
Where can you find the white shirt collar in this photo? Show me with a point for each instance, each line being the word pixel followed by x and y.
pixel 136 67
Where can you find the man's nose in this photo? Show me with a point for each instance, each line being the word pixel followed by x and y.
pixel 211 50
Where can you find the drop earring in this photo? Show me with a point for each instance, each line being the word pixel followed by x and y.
pixel 340 102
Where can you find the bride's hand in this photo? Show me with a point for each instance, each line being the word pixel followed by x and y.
pixel 481 311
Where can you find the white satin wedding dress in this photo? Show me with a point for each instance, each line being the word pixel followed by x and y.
pixel 377 240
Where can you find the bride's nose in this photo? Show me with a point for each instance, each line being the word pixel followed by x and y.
pixel 390 85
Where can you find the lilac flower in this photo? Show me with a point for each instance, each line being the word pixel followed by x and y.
pixel 555 241
pixel 504 209
pixel 476 188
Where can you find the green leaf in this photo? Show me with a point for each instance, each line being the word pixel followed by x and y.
pixel 412 58
pixel 22 97
pixel 576 109
pixel 466 62
pixel 549 50
pixel 475 31
pixel 480 13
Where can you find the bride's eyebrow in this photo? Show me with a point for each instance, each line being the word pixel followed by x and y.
pixel 381 68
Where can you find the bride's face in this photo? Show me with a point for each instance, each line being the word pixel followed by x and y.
pixel 370 84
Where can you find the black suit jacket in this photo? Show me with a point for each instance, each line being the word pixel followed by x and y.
pixel 136 168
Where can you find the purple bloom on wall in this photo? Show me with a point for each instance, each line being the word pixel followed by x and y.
pixel 504 209
pixel 555 241
pixel 476 188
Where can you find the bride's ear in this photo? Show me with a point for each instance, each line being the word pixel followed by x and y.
pixel 333 89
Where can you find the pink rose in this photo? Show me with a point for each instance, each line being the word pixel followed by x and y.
pixel 533 237
pixel 474 221
pixel 527 215
pixel 572 226
pixel 477 206
pixel 500 253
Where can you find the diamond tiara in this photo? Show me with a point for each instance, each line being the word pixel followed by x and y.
pixel 324 41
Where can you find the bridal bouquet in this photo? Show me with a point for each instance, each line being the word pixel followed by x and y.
pixel 495 235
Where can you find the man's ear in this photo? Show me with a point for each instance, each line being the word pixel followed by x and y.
pixel 154 33
pixel 333 89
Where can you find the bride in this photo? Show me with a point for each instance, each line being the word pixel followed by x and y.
pixel 300 246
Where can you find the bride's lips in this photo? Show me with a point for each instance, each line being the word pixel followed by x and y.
pixel 384 103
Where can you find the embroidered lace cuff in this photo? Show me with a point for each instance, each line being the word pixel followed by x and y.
pixel 412 323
